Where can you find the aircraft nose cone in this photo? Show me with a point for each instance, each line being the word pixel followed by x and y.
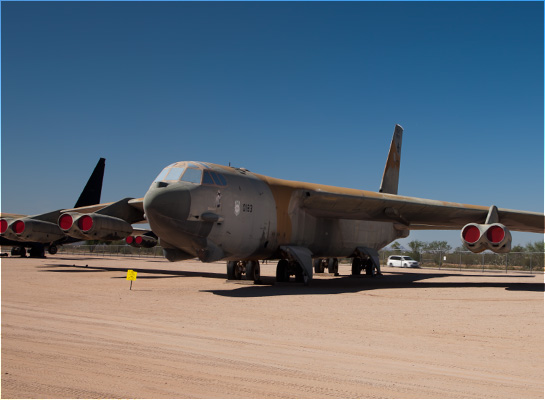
pixel 167 202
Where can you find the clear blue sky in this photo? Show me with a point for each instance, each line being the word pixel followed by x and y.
pixel 302 91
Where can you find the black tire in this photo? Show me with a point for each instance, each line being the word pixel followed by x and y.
pixel 53 249
pixel 282 271
pixel 368 267
pixel 356 266
pixel 318 267
pixel 18 251
pixel 253 271
pixel 333 266
pixel 299 274
pixel 231 265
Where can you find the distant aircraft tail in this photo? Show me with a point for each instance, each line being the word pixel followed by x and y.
pixel 93 189
pixel 390 178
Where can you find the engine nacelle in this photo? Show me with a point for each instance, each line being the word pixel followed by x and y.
pixel 94 226
pixel 33 230
pixel 141 241
pixel 480 237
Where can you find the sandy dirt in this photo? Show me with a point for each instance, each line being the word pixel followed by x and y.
pixel 71 328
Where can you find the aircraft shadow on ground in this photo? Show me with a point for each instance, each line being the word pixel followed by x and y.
pixel 153 273
pixel 351 284
pixel 333 285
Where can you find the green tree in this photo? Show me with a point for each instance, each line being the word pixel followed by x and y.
pixel 536 247
pixel 395 246
pixel 438 246
pixel 416 247
pixel 517 249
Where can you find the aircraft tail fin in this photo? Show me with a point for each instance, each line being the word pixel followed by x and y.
pixel 390 178
pixel 93 189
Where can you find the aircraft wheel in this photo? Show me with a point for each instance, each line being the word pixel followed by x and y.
pixel 299 274
pixel 230 270
pixel 234 272
pixel 282 271
pixel 18 251
pixel 53 249
pixel 333 266
pixel 356 266
pixel 368 267
pixel 253 271
pixel 318 267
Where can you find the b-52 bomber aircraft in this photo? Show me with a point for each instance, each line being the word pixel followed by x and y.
pixel 38 232
pixel 215 212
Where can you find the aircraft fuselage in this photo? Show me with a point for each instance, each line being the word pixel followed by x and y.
pixel 233 214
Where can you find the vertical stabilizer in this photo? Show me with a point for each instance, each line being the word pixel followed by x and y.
pixel 390 178
pixel 93 189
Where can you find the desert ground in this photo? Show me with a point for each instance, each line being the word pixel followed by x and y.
pixel 72 328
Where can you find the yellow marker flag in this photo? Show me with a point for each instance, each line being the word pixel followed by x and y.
pixel 131 275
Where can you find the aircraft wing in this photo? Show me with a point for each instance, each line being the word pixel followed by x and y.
pixel 13 216
pixel 128 209
pixel 410 212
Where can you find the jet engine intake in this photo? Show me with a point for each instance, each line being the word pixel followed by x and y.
pixel 94 226
pixel 479 237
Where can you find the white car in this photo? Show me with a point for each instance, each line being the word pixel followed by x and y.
pixel 402 261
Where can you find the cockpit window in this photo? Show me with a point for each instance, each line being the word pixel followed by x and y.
pixel 219 178
pixel 192 175
pixel 162 175
pixel 207 179
pixel 213 178
pixel 192 172
pixel 174 174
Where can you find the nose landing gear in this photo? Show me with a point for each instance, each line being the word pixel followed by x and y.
pixel 250 269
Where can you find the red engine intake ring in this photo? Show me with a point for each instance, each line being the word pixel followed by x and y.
pixel 471 234
pixel 495 234
pixel 18 227
pixel 65 221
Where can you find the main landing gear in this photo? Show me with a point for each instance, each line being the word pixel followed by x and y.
pixel 362 264
pixel 18 251
pixel 250 269
pixel 332 265
pixel 286 268
pixel 35 251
